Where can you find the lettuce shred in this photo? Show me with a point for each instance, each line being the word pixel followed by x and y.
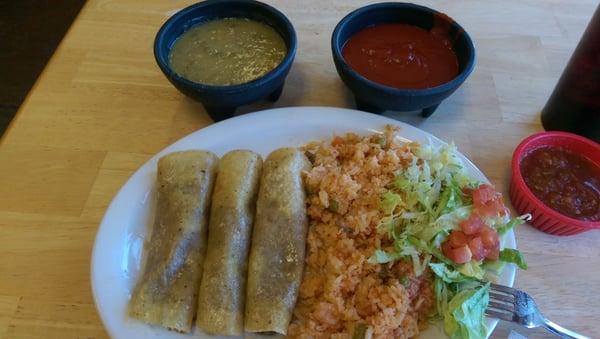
pixel 510 255
pixel 464 316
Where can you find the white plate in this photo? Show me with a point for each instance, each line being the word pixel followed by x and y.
pixel 117 251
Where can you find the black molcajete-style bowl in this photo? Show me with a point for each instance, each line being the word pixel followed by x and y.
pixel 221 101
pixel 374 97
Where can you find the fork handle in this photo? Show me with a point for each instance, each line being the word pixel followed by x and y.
pixel 561 331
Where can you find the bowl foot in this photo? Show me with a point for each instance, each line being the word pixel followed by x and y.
pixel 428 111
pixel 367 107
pixel 218 113
pixel 274 96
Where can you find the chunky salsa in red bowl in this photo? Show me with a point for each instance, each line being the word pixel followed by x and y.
pixel 556 178
pixel 563 180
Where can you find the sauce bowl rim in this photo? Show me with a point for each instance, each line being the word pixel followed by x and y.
pixel 523 149
pixel 285 63
pixel 337 44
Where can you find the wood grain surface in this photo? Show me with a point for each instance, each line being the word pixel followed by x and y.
pixel 101 108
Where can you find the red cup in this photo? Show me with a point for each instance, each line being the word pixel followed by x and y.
pixel 545 218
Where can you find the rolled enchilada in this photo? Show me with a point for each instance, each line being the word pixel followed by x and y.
pixel 223 287
pixel 167 292
pixel 278 243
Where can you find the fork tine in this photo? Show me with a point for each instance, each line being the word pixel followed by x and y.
pixel 513 305
pixel 499 315
pixel 502 306
pixel 504 289
pixel 502 297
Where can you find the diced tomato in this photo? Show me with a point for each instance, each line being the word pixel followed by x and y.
pixel 446 247
pixel 472 224
pixel 487 201
pixel 493 253
pixel 475 240
pixel 483 243
pixel 489 236
pixel 459 255
pixel 457 239
pixel 467 190
pixel 484 193
pixel 477 249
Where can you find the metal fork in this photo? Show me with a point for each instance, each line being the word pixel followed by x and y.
pixel 510 304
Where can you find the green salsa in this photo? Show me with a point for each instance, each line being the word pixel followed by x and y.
pixel 227 51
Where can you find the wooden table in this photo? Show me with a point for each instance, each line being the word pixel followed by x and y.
pixel 101 108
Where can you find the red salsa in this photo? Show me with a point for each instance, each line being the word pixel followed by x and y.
pixel 564 181
pixel 402 56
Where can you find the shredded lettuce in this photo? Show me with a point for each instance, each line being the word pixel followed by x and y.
pixel 423 247
pixel 432 201
pixel 510 255
pixel 423 204
pixel 472 269
pixel 389 201
pixel 445 223
pixel 503 229
pixel 442 296
pixel 464 316
pixel 419 265
pixel 493 269
pixel 383 257
pixel 447 274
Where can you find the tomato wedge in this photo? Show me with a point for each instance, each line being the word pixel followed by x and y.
pixel 493 253
pixel 487 201
pixel 477 249
pixel 457 239
pixel 489 236
pixel 459 255
pixel 472 224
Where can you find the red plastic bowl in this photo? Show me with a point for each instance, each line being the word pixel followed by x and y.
pixel 524 201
